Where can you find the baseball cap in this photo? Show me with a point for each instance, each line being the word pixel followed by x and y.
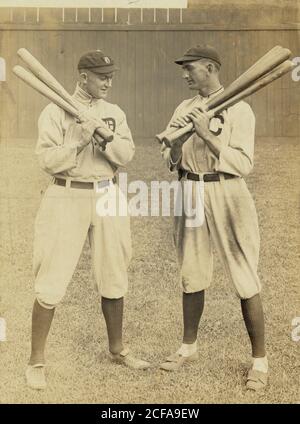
pixel 97 62
pixel 203 51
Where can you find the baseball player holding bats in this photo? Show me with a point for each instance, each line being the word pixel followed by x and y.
pixel 82 172
pixel 219 154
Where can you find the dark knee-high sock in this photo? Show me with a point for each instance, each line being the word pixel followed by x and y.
pixel 254 320
pixel 113 315
pixel 41 323
pixel 193 305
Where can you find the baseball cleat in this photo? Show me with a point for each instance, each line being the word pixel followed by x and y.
pixel 127 359
pixel 256 380
pixel 175 361
pixel 35 376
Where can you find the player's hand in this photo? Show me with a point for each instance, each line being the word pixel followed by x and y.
pixel 201 123
pixel 89 124
pixel 88 128
pixel 99 141
pixel 180 122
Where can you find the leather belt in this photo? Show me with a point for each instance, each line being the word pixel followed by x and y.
pixel 84 184
pixel 205 177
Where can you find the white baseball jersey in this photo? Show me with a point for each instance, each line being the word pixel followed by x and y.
pixel 59 135
pixel 235 128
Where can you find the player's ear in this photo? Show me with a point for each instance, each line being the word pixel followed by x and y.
pixel 210 68
pixel 83 77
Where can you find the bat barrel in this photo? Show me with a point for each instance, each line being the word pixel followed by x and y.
pixel 266 79
pixel 43 89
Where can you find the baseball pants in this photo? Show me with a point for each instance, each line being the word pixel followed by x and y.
pixel 65 217
pixel 230 223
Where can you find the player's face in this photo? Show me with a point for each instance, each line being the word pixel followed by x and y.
pixel 98 85
pixel 196 74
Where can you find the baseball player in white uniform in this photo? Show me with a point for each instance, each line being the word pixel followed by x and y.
pixel 220 154
pixel 82 172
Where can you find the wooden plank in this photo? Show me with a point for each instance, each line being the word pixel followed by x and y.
pixel 174 16
pixel 271 100
pixel 4 88
pixel 30 15
pixel 139 63
pixel 70 15
pixel 148 88
pixel 161 16
pixel 18 14
pixel 70 66
pixel 50 15
pixel 5 15
pixel 131 82
pixel 135 16
pixel 172 73
pixel 97 15
pixel 123 94
pixel 109 16
pixel 107 26
pixel 13 112
pixel 123 16
pixel 84 15
pixel 148 16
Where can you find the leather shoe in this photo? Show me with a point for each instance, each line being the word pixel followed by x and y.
pixel 175 361
pixel 35 376
pixel 127 359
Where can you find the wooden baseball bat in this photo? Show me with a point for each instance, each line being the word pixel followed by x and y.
pixel 44 75
pixel 51 95
pixel 266 63
pixel 266 79
pixel 42 88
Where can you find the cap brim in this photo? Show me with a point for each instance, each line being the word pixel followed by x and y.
pixel 183 59
pixel 102 70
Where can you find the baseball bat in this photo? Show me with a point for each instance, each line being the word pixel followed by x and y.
pixel 43 89
pixel 44 75
pixel 51 95
pixel 266 63
pixel 265 80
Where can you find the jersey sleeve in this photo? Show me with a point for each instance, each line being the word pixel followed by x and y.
pixel 237 157
pixel 166 151
pixel 121 149
pixel 53 154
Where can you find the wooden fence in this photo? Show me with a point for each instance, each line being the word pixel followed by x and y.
pixel 145 43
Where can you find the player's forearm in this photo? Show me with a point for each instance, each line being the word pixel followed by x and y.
pixel 213 143
pixel 120 151
pixel 57 159
pixel 176 150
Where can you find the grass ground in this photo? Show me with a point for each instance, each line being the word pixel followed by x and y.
pixel 78 369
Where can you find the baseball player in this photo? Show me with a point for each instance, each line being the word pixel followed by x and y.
pixel 219 154
pixel 83 170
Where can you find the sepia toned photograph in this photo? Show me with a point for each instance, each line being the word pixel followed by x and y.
pixel 149 204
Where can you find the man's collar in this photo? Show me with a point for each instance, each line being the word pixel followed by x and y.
pixel 212 94
pixel 84 97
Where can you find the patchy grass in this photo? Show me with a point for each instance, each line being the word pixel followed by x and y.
pixel 78 368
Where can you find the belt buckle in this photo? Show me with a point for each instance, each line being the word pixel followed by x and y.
pixel 100 185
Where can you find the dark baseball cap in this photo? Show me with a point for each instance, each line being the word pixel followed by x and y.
pixel 97 62
pixel 203 51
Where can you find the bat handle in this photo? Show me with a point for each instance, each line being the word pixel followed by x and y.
pixel 169 139
pixel 105 133
pixel 102 131
pixel 162 135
